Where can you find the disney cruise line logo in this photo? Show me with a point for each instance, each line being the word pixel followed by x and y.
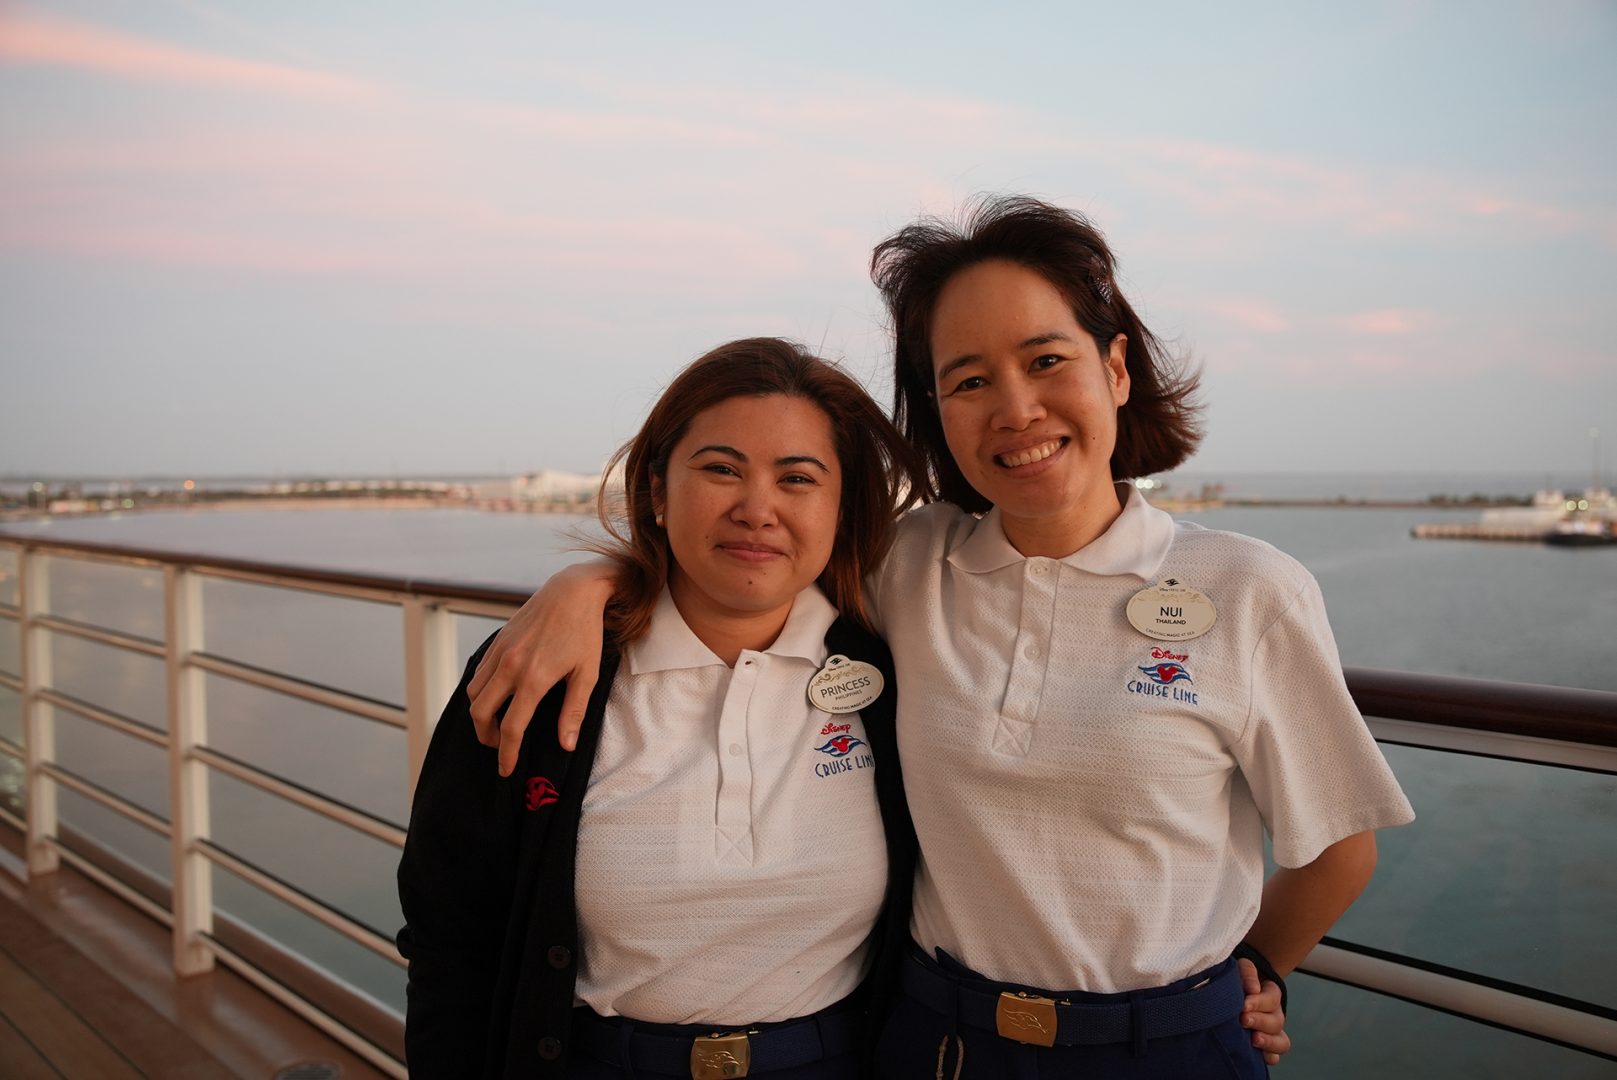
pixel 840 744
pixel 1161 676
pixel 842 741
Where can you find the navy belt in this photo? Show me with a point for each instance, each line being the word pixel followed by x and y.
pixel 1031 1016
pixel 781 1046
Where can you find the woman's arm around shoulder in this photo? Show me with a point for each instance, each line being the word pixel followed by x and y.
pixel 555 637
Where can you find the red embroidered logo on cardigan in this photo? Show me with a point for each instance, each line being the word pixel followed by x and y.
pixel 541 792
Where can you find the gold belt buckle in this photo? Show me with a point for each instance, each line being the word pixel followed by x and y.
pixel 720 1056
pixel 1026 1018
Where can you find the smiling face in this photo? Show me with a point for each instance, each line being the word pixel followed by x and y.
pixel 1028 404
pixel 750 504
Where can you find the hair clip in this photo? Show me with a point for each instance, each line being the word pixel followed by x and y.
pixel 1104 288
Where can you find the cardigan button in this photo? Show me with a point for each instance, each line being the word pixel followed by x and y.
pixel 549 1048
pixel 559 956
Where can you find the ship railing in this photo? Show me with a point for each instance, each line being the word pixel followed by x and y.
pixel 1557 728
pixel 183 898
pixel 1560 728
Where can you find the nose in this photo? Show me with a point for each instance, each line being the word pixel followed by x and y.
pixel 1017 404
pixel 755 504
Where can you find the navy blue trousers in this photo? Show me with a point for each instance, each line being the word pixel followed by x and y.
pixel 920 1044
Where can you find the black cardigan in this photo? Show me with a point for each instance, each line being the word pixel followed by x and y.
pixel 486 883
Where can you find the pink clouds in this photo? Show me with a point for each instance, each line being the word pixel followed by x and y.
pixel 1258 315
pixel 1247 313
pixel 53 41
pixel 199 248
pixel 267 215
pixel 1220 181
pixel 1389 322
pixel 603 127
pixel 416 181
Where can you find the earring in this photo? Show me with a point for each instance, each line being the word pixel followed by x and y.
pixel 659 521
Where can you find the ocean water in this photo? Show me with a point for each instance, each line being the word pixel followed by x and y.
pixel 1509 870
pixel 1483 609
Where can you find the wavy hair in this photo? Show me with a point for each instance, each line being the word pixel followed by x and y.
pixel 1157 428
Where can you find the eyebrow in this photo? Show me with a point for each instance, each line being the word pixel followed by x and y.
pixel 789 459
pixel 1032 342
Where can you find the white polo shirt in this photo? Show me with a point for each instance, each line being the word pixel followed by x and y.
pixel 1090 819
pixel 731 859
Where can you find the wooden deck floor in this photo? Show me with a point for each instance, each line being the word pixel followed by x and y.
pixel 86 991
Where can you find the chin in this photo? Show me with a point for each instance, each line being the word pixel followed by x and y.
pixel 749 601
pixel 1026 500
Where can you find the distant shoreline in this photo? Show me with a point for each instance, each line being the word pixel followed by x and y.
pixel 375 502
pixel 1344 503
pixel 420 502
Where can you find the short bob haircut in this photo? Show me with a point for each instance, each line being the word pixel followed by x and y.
pixel 881 474
pixel 1157 428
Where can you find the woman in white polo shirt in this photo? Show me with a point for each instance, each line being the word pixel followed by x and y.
pixel 1101 712
pixel 697 889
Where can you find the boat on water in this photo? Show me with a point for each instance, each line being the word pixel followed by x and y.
pixel 1582 532
pixel 1585 520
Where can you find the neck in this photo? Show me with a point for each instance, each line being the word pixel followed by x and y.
pixel 1059 535
pixel 728 633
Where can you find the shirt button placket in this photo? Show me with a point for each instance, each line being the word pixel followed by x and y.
pixel 732 838
pixel 1029 658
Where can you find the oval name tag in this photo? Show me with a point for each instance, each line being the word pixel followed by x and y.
pixel 1171 611
pixel 845 686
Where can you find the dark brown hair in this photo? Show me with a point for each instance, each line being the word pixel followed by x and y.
pixel 881 474
pixel 1157 428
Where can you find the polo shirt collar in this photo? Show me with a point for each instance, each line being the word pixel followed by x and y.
pixel 1135 543
pixel 669 644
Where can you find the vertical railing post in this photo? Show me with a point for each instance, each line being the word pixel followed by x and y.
pixel 187 777
pixel 431 670
pixel 39 718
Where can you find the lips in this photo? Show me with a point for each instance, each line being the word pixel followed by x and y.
pixel 748 552
pixel 1029 455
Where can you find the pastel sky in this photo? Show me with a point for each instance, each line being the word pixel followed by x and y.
pixel 382 238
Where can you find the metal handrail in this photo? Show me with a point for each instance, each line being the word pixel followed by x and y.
pixel 101 635
pixel 1533 710
pixel 106 797
pixel 1552 725
pixel 292 792
pixel 304 901
pixel 1577 1026
pixel 303 689
pixel 111 882
pixel 135 729
pixel 428 588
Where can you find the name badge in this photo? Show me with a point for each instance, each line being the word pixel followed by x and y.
pixel 845 686
pixel 1171 611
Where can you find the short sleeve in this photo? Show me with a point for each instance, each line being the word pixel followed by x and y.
pixel 1315 772
pixel 895 586
pixel 907 533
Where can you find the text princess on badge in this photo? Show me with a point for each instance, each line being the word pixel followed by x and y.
pixel 845 686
